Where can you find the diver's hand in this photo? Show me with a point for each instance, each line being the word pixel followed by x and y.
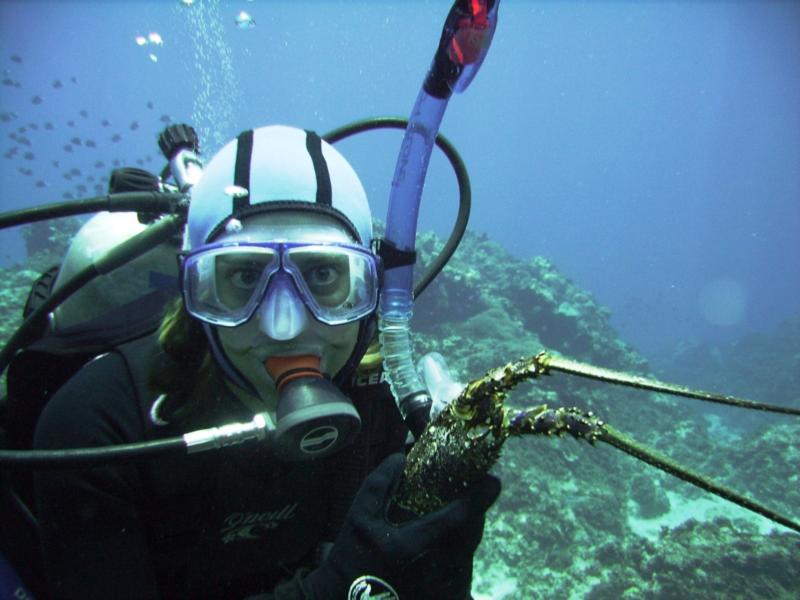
pixel 443 389
pixel 426 557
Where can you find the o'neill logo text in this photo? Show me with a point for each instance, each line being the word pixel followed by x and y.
pixel 254 526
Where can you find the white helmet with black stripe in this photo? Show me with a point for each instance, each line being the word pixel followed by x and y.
pixel 276 168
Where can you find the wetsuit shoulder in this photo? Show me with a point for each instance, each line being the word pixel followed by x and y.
pixel 97 406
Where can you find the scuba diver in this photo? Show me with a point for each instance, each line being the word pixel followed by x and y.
pixel 279 289
pixel 279 298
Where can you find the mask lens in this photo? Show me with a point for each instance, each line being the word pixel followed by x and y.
pixel 223 285
pixel 339 283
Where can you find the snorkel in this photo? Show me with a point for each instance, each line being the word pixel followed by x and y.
pixel 464 44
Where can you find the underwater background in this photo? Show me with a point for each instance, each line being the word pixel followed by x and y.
pixel 636 204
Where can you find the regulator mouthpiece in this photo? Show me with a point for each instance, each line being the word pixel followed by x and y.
pixel 314 418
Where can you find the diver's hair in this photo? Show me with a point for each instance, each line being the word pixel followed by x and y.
pixel 186 373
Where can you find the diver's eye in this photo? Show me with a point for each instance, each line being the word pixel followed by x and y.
pixel 244 279
pixel 319 278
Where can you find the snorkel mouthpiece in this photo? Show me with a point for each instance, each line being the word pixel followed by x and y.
pixel 314 418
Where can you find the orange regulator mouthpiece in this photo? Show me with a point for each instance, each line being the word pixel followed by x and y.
pixel 284 369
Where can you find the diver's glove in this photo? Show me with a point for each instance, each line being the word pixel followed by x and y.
pixel 433 370
pixel 425 557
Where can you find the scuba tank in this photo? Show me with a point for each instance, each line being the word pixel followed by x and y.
pixel 156 269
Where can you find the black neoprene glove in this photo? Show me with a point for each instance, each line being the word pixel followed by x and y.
pixel 426 557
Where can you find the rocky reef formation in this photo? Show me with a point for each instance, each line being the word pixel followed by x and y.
pixel 46 243
pixel 578 521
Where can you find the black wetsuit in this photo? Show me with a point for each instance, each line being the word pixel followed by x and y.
pixel 216 525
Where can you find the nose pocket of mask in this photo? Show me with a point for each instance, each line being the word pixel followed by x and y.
pixel 282 314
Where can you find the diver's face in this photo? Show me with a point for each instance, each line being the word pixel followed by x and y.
pixel 282 326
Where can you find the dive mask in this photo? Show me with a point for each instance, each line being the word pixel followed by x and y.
pixel 223 284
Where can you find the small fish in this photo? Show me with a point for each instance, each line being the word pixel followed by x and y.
pixel 33 126
pixel 99 164
pixel 76 141
pixel 154 38
pixel 9 82
pixel 7 117
pixel 56 164
pixel 84 113
pixel 165 118
pixel 98 189
pixel 187 2
pixel 81 188
pixel 73 79
pixel 89 144
pixel 28 156
pixel 139 162
pixel 141 40
pixel 24 141
pixel 22 129
pixel 245 21
pixel 13 135
pixel 67 196
pixel 75 172
pixel 148 158
pixel 16 58
pixel 105 122
pixel 116 137
pixel 134 126
pixel 70 123
pixel 25 171
pixel 149 104
pixel 40 184
pixel 67 148
pixel 90 179
pixel 153 57
pixel 116 162
pixel 57 84
pixel 67 176
pixel 37 99
pixel 48 125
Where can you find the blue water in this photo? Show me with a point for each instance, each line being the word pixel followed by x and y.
pixel 650 150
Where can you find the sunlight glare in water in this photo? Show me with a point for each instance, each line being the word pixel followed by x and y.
pixel 723 302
